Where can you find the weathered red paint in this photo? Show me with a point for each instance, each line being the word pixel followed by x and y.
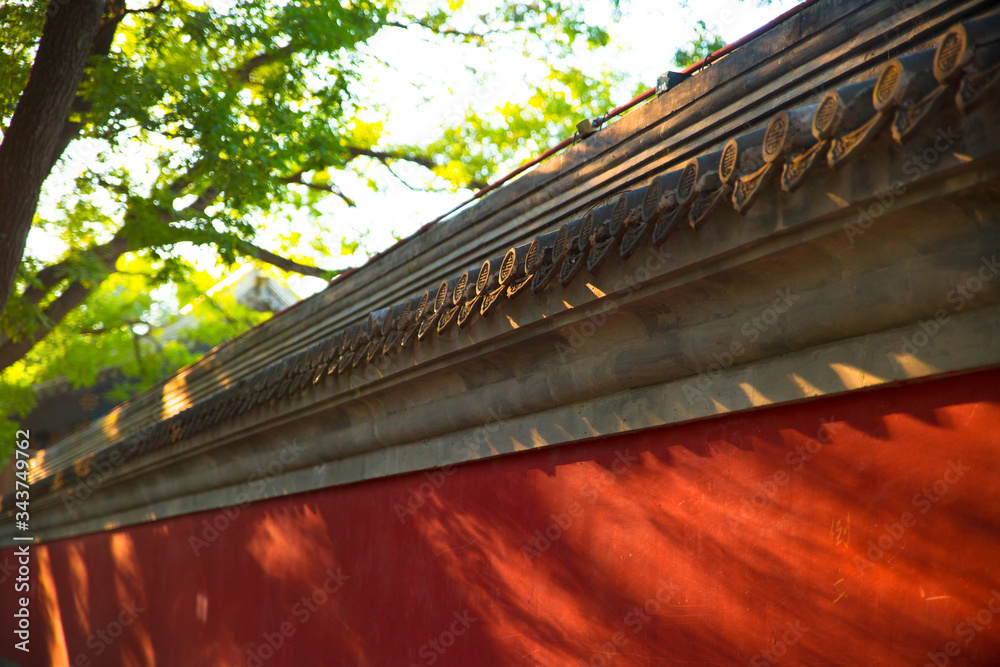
pixel 724 541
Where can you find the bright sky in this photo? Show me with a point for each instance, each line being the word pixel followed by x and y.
pixel 643 41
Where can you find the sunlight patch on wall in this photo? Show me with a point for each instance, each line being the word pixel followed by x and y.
pixel 109 426
pixel 808 388
pixel 176 396
pixel 130 589
pixel 56 637
pixel 293 545
pixel 80 583
pixel 855 378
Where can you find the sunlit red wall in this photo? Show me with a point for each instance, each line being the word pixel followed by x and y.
pixel 717 542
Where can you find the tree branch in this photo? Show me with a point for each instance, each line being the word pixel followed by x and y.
pixel 283 263
pixel 138 353
pixel 387 157
pixel 95 332
pixel 74 295
pixel 53 274
pixel 106 330
pixel 245 247
pixel 383 156
pixel 201 202
pixel 296 179
pixel 477 37
pixel 402 180
pixel 261 59
pixel 146 10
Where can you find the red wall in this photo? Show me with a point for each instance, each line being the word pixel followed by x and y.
pixel 705 543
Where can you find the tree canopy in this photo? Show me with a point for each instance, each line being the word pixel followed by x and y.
pixel 211 123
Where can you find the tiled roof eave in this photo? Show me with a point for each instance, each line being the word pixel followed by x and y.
pixel 889 112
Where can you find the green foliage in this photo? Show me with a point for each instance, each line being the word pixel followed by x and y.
pixel 704 43
pixel 20 26
pixel 215 122
pixel 517 131
pixel 117 327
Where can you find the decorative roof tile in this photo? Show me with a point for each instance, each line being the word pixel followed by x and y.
pixel 908 90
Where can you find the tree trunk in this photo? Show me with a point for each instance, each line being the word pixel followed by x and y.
pixel 29 145
pixel 68 300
